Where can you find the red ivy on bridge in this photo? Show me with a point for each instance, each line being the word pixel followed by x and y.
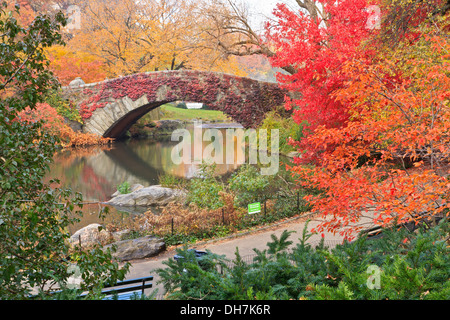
pixel 245 100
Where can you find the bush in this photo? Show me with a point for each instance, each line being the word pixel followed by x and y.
pixel 171 181
pixel 124 187
pixel 249 186
pixel 189 223
pixel 53 123
pixel 411 265
pixel 287 129
pixel 181 105
pixel 63 107
pixel 204 190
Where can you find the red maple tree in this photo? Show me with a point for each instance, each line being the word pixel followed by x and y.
pixel 378 119
pixel 318 48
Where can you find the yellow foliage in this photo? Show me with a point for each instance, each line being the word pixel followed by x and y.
pixel 137 36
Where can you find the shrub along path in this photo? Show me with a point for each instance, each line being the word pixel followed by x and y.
pixel 244 241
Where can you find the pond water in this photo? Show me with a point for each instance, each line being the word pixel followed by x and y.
pixel 97 171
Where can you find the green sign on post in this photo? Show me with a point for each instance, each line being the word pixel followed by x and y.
pixel 254 207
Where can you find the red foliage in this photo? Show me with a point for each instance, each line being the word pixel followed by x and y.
pixel 67 67
pixel 238 97
pixel 43 112
pixel 400 117
pixel 318 49
pixel 370 114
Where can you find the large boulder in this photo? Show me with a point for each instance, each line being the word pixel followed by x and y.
pixel 148 196
pixel 91 235
pixel 139 248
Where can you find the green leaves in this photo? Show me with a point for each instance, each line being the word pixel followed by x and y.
pixel 197 278
pixel 63 107
pixel 204 190
pixel 124 187
pixel 34 250
pixel 419 269
pixel 278 245
pixel 249 186
pixel 23 64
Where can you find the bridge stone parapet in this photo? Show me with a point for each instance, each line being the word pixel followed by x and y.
pixel 109 108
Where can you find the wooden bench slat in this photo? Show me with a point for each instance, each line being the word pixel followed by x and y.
pixel 127 289
pixel 131 281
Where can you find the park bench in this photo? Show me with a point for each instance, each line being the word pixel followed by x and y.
pixel 122 290
pixel 128 289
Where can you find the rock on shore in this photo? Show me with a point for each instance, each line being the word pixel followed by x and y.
pixel 147 196
pixel 139 248
pixel 90 235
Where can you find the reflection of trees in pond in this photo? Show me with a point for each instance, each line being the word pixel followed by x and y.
pixel 159 155
pixel 71 169
pixel 96 186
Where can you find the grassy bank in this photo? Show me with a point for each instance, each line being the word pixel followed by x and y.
pixel 172 113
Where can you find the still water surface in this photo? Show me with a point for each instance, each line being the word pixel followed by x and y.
pixel 97 171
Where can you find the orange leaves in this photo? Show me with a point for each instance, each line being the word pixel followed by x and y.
pixel 55 124
pixel 42 111
pixel 67 65
pixel 191 219
pixel 130 37
pixel 391 160
pixel 71 138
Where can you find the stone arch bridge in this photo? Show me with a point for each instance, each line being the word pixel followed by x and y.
pixel 111 107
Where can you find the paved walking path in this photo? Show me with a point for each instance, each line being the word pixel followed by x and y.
pixel 245 241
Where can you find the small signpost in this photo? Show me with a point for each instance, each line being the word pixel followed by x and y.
pixel 254 207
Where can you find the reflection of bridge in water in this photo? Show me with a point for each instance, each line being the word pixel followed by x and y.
pixel 143 161
pixel 125 157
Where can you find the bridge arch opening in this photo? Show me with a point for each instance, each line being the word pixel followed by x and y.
pixel 123 124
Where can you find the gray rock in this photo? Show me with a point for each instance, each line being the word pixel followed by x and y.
pixel 139 248
pixel 90 235
pixel 119 235
pixel 76 83
pixel 74 125
pixel 148 196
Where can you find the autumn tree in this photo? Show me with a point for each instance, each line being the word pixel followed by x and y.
pixel 29 9
pixel 68 64
pixel 317 45
pixel 389 163
pixel 232 32
pixel 402 16
pixel 136 36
